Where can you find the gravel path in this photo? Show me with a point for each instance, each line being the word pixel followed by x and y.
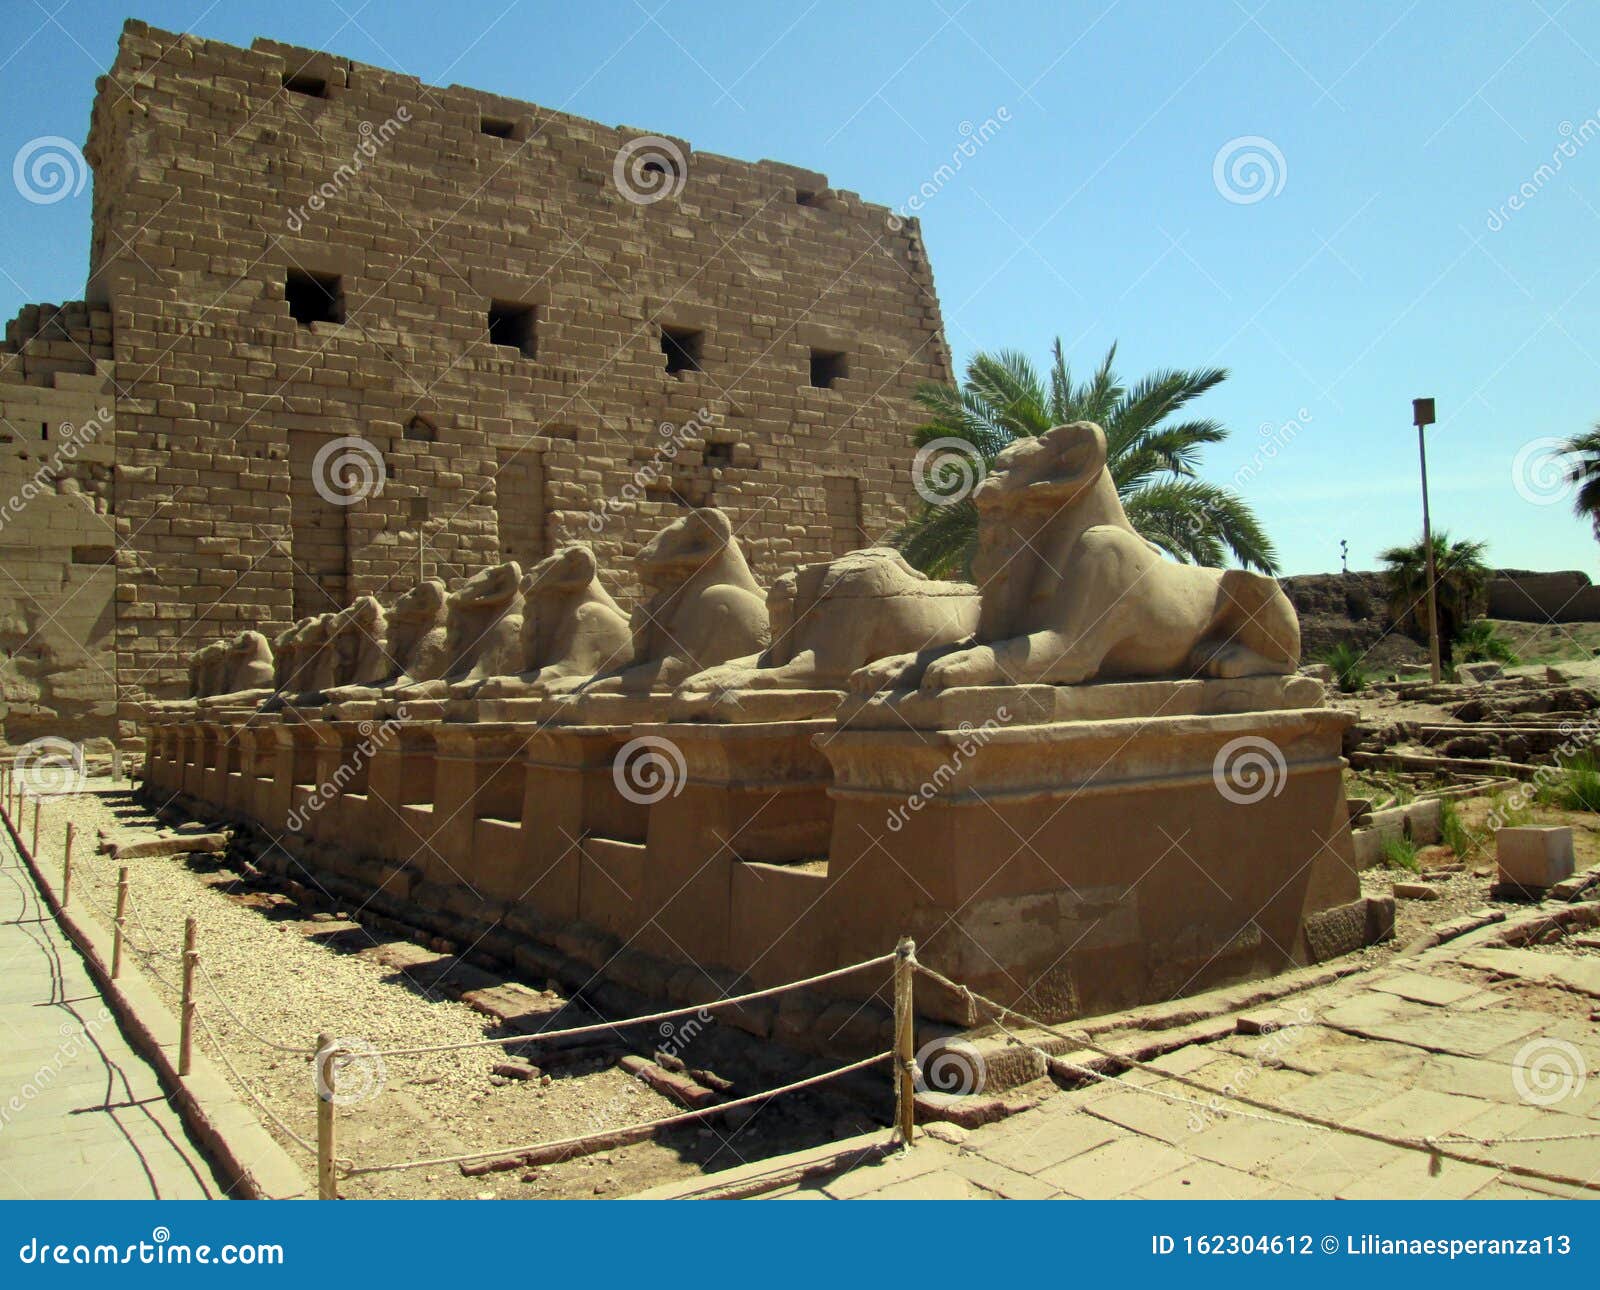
pixel 268 981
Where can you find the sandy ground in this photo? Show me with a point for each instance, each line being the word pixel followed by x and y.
pixel 276 973
pixel 271 978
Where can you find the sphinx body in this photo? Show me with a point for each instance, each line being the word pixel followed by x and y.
pixel 414 650
pixel 571 627
pixel 482 637
pixel 244 670
pixel 703 607
pixel 358 638
pixel 1072 593
pixel 829 620
pixel 212 669
pixel 285 657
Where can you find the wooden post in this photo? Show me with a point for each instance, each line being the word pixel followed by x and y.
pixel 122 914
pixel 186 1032
pixel 905 1090
pixel 66 866
pixel 37 803
pixel 327 1189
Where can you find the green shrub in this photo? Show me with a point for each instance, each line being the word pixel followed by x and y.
pixel 1479 642
pixel 1454 831
pixel 1400 853
pixel 1576 788
pixel 1508 814
pixel 1345 660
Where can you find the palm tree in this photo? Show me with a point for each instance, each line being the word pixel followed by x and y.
pixel 1583 469
pixel 1152 461
pixel 1461 579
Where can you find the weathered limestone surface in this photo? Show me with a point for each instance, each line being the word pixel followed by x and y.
pixel 571 626
pixel 233 186
pixel 58 607
pixel 1171 819
pixel 829 620
pixel 1072 593
pixel 704 607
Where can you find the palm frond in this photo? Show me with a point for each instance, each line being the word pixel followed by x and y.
pixel 1154 462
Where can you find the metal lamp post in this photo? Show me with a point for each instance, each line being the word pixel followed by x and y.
pixel 1422 416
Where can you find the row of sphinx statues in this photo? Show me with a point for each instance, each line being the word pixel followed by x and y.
pixel 1066 591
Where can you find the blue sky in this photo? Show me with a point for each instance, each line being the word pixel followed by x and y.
pixel 1371 257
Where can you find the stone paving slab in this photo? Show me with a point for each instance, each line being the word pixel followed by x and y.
pixel 1579 974
pixel 82 1116
pixel 1406 1053
pixel 1421 987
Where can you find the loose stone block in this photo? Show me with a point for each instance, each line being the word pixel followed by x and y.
pixel 1534 857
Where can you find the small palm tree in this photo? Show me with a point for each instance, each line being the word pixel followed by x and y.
pixel 1461 579
pixel 1583 469
pixel 1152 461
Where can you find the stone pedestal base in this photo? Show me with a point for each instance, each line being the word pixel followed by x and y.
pixel 479 773
pixel 399 796
pixel 1075 867
pixel 732 796
pixel 583 841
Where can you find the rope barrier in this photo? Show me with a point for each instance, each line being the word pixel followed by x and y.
pixel 644 1128
pixel 646 1019
pixel 139 916
pixel 1431 1146
pixel 244 1025
pixel 216 1043
pixel 109 914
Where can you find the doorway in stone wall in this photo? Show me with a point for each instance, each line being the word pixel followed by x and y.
pixel 319 533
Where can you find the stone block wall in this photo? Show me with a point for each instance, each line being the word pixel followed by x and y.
pixel 1562 597
pixel 489 311
pixel 57 540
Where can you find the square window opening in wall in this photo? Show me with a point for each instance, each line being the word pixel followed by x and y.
pixel 501 127
pixel 304 82
pixel 718 454
pixel 514 326
pixel 314 297
pixel 683 348
pixel 828 366
pixel 807 197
